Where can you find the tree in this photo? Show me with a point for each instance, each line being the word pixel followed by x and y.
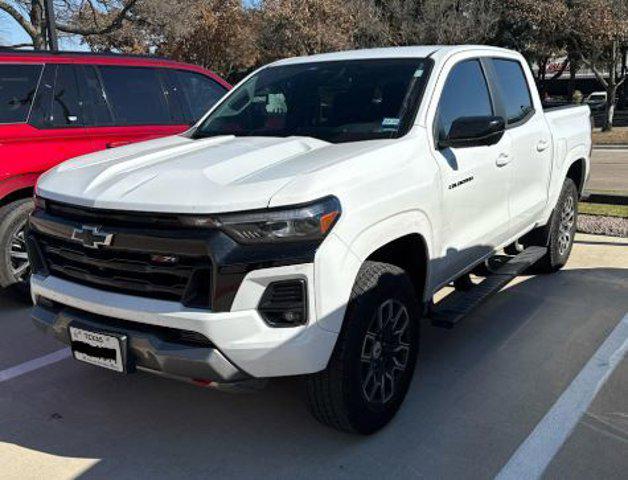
pixel 399 23
pixel 222 36
pixel 80 17
pixel 289 28
pixel 452 22
pixel 232 39
pixel 600 36
pixel 443 22
pixel 539 30
pixel 217 34
pixel 154 24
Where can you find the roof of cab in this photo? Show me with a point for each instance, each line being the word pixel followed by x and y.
pixel 419 51
pixel 90 58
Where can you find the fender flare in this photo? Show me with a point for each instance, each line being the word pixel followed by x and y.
pixel 392 228
pixel 575 154
pixel 341 261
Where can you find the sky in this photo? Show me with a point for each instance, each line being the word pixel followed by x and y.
pixel 11 33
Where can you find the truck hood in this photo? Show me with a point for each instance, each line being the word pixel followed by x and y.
pixel 182 175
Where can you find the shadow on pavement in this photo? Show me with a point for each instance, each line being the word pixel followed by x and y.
pixel 12 300
pixel 478 391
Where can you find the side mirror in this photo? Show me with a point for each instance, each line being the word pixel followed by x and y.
pixel 474 132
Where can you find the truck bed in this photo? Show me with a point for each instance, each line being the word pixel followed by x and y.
pixel 570 124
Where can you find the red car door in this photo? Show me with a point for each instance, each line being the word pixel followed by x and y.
pixel 57 126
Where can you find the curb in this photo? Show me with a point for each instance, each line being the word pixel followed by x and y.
pixel 606 199
pixel 602 146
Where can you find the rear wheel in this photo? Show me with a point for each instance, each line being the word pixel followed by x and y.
pixel 558 235
pixel 375 356
pixel 14 264
pixel 562 229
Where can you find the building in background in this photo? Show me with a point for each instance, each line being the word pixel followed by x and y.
pixel 584 81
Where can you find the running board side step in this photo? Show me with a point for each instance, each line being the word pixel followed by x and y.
pixel 458 304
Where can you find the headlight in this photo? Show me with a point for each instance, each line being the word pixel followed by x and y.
pixel 309 222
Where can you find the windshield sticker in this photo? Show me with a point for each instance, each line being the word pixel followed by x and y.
pixel 390 123
pixel 276 103
pixel 418 73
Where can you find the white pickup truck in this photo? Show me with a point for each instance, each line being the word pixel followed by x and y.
pixel 304 225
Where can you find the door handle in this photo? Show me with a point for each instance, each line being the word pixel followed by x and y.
pixel 542 145
pixel 503 159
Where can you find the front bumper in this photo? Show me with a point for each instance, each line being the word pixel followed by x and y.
pixel 155 350
pixel 240 337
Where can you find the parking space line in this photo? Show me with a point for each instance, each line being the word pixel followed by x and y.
pixel 34 364
pixel 537 451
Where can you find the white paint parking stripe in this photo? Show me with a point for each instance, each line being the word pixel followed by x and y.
pixel 34 364
pixel 537 451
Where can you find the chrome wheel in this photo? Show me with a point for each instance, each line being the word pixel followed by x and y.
pixel 18 258
pixel 565 227
pixel 385 352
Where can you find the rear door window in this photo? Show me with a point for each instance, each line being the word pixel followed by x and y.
pixel 513 89
pixel 66 103
pixel 200 92
pixel 465 94
pixel 94 98
pixel 18 84
pixel 136 96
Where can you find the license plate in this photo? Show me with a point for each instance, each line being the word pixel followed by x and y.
pixel 98 349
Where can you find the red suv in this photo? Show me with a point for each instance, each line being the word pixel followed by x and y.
pixel 55 106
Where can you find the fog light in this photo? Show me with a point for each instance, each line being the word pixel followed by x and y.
pixel 284 303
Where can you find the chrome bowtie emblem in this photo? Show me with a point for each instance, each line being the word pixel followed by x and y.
pixel 92 237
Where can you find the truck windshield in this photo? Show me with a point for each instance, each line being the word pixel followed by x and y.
pixel 17 89
pixel 336 101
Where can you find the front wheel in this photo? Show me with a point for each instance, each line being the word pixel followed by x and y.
pixel 372 365
pixel 14 264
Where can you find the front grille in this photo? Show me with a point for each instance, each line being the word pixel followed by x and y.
pixel 186 280
pixel 113 218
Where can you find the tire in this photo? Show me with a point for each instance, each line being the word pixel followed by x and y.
pixel 14 265
pixel 348 394
pixel 562 229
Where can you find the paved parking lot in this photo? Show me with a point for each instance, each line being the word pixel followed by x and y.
pixel 609 169
pixel 482 393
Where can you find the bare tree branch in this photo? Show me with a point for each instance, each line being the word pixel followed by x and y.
pixel 596 72
pixel 19 18
pixel 115 23
pixel 94 13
